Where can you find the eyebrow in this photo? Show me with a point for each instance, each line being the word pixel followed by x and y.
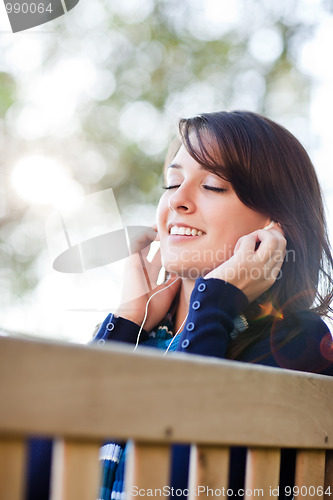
pixel 175 165
pixel 178 166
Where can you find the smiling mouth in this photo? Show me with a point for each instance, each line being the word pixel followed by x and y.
pixel 185 231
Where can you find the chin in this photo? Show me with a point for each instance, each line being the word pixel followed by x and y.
pixel 192 272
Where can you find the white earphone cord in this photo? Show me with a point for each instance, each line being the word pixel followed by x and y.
pixel 146 311
pixel 175 335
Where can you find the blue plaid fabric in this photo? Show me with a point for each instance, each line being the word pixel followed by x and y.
pixel 111 456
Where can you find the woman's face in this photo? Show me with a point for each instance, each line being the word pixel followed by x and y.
pixel 200 218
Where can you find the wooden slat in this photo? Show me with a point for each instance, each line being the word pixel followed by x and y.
pixel 12 468
pixel 243 399
pixel 329 475
pixel 75 471
pixel 262 472
pixel 310 474
pixel 147 469
pixel 209 470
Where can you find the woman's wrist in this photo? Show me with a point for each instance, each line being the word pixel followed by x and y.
pixel 135 318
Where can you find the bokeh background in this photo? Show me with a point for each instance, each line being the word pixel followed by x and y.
pixel 90 102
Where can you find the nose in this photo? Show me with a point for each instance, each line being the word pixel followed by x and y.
pixel 181 200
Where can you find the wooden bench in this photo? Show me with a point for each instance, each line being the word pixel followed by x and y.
pixel 81 395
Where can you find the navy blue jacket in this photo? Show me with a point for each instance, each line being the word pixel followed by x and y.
pixel 213 307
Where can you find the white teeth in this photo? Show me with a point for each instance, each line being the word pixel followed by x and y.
pixel 185 231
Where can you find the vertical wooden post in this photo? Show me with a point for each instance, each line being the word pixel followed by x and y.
pixel 209 471
pixel 147 469
pixel 262 472
pixel 310 474
pixel 12 468
pixel 75 470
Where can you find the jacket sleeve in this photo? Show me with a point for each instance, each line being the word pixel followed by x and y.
pixel 120 330
pixel 213 306
pixel 310 349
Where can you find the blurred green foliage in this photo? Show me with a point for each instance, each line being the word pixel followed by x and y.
pixel 102 91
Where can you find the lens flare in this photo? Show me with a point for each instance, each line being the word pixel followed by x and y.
pixel 326 347
pixel 298 351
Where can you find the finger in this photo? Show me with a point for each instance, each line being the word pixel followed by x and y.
pixel 145 271
pixel 270 242
pixel 156 260
pixel 272 272
pixel 278 238
pixel 274 264
pixel 144 252
pixel 246 244
pixel 154 226
pixel 278 227
pixel 155 266
pixel 274 225
pixel 143 240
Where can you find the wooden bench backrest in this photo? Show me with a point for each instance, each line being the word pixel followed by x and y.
pixel 83 395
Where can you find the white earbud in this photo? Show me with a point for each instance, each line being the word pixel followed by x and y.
pixel 270 225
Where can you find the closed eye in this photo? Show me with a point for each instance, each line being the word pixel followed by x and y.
pixel 171 187
pixel 208 188
pixel 216 189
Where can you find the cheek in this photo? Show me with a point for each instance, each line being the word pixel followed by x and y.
pixel 243 220
pixel 252 221
pixel 224 244
pixel 238 221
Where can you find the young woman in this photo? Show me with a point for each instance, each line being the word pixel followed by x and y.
pixel 243 238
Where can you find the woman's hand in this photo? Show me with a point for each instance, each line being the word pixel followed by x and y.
pixel 139 284
pixel 254 269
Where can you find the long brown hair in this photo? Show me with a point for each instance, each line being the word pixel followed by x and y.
pixel 271 172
